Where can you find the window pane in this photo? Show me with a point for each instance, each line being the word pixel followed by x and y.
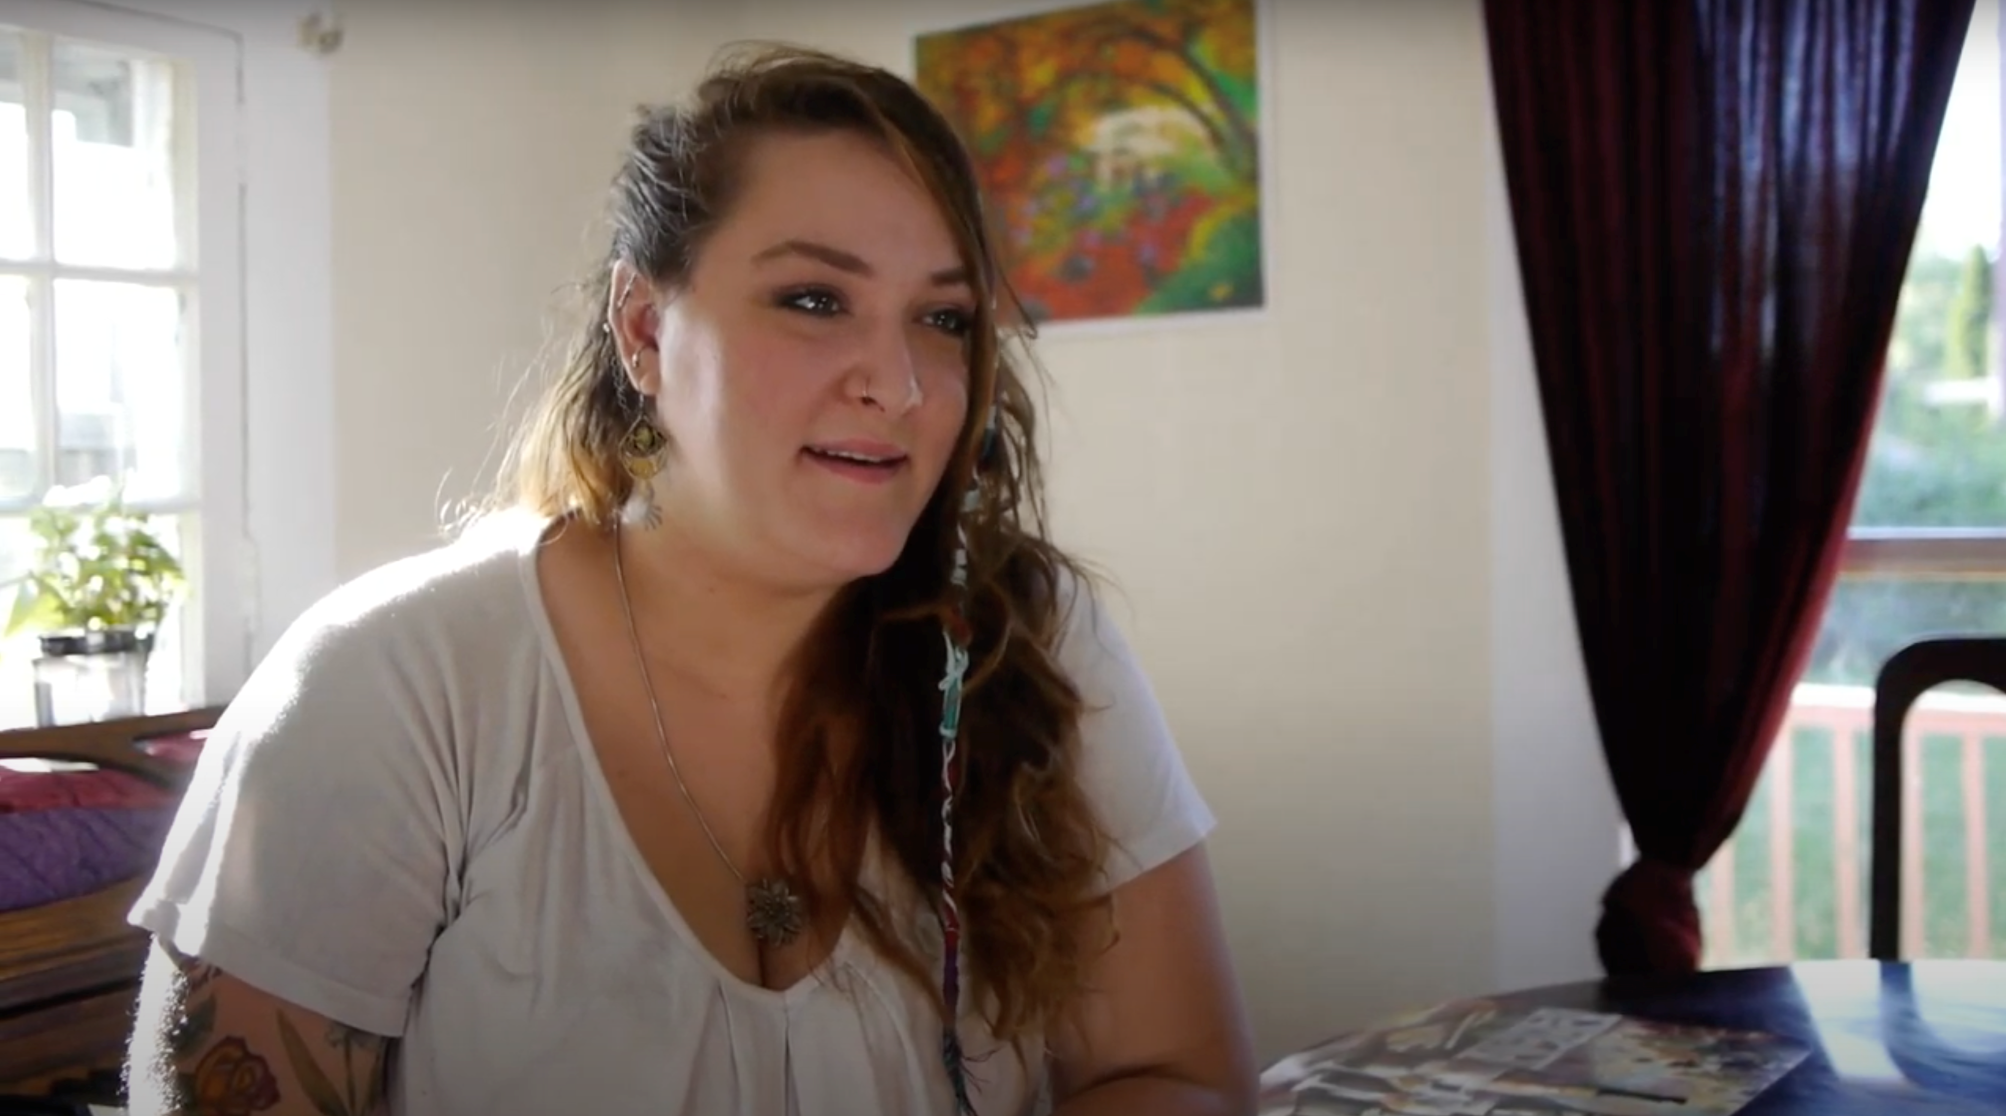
pixel 17 218
pixel 17 549
pixel 122 387
pixel 114 132
pixel 17 415
pixel 1938 457
pixel 1870 618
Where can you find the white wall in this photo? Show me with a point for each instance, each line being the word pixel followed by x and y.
pixel 1558 840
pixel 472 153
pixel 1331 521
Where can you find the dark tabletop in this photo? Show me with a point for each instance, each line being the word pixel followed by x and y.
pixel 1927 1037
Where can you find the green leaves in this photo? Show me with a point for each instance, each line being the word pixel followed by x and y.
pixel 99 566
pixel 33 608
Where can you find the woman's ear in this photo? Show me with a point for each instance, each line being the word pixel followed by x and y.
pixel 635 322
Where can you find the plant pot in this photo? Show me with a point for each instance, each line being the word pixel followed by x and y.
pixel 91 676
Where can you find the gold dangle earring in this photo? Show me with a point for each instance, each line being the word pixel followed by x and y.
pixel 642 454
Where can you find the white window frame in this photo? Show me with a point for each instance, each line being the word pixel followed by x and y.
pixel 278 555
pixel 1924 552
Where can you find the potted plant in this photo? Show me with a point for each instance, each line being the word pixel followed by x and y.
pixel 95 594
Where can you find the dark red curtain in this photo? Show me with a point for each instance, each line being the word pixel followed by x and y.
pixel 1714 202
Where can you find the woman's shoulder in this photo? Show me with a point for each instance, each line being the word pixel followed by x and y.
pixel 390 678
pixel 475 578
pixel 1130 764
pixel 1085 640
pixel 454 605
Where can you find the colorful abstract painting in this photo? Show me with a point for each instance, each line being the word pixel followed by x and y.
pixel 1119 151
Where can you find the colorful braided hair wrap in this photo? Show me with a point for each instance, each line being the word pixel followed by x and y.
pixel 956 634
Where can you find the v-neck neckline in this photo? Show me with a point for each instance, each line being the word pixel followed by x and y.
pixel 606 808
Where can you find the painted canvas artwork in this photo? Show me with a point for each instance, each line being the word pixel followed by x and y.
pixel 1119 150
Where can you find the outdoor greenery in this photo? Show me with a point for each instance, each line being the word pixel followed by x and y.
pixel 1934 462
pixel 1813 819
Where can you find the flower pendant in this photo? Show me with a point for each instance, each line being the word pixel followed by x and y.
pixel 775 915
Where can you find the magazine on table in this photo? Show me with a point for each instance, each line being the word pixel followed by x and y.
pixel 1483 1058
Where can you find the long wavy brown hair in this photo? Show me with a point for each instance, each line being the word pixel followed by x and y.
pixel 859 733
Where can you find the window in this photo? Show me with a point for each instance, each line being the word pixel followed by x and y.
pixel 1927 555
pixel 121 306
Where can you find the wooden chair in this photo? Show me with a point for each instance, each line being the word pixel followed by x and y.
pixel 1908 674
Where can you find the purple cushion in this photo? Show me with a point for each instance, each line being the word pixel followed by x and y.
pixel 50 855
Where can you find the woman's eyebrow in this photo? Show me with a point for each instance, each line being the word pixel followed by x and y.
pixel 843 260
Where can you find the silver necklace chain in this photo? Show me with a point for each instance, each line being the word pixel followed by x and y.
pixel 774 912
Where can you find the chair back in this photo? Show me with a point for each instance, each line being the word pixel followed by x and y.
pixel 1908 674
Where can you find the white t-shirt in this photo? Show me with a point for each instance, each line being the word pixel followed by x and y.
pixel 400 823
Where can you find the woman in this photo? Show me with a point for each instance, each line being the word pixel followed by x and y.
pixel 634 797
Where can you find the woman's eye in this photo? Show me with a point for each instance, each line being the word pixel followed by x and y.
pixel 952 321
pixel 815 301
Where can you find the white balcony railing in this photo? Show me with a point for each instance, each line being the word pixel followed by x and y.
pixel 1792 883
